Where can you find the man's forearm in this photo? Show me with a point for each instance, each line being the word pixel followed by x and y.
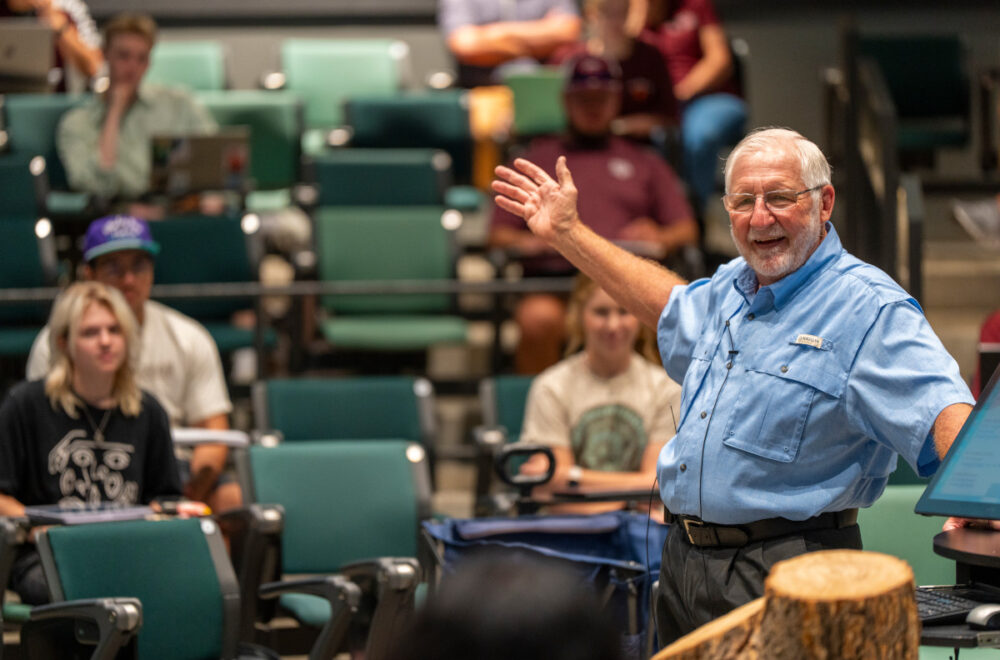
pixel 640 285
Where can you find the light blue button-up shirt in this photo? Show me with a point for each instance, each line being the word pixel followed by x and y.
pixel 797 397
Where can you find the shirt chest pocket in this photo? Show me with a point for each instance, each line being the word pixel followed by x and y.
pixel 775 397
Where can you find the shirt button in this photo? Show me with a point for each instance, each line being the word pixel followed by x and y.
pixel 684 467
pixel 727 324
pixel 729 365
pixel 784 369
pixel 750 316
pixel 704 414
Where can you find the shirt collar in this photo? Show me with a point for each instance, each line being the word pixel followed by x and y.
pixel 784 289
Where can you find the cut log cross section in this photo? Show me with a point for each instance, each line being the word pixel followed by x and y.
pixel 822 605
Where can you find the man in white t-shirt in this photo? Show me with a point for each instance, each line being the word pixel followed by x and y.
pixel 179 363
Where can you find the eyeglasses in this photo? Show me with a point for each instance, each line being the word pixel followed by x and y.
pixel 117 268
pixel 774 200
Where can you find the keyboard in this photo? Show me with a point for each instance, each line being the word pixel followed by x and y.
pixel 937 606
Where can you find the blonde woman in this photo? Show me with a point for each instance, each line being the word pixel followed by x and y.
pixel 607 409
pixel 86 433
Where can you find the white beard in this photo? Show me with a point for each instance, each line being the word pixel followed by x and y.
pixel 776 265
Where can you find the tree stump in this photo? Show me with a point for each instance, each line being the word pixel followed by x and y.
pixel 822 605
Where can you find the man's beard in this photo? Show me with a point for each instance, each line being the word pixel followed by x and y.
pixel 778 265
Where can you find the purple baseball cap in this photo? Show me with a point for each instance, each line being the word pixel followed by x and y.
pixel 118 232
pixel 592 72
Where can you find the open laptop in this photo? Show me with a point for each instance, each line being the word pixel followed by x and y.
pixel 27 55
pixel 183 164
pixel 966 485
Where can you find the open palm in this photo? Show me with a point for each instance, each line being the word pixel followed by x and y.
pixel 547 205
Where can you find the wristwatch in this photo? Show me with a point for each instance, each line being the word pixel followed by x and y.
pixel 575 473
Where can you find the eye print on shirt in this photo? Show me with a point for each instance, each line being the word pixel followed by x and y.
pixel 621 169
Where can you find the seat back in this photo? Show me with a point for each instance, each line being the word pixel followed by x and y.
pixel 359 407
pixel 385 243
pixel 439 120
pixel 380 177
pixel 503 399
pixel 343 500
pixel 199 249
pixel 891 526
pixel 31 121
pixel 275 122
pixel 197 65
pixel 19 186
pixel 914 64
pixel 178 569
pixel 538 107
pixel 29 261
pixel 326 72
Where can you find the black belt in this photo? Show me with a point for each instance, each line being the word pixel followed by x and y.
pixel 703 534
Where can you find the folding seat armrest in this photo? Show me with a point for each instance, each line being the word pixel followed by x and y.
pixel 116 621
pixel 344 597
pixel 254 534
pixel 392 583
pixel 13 532
pixel 488 441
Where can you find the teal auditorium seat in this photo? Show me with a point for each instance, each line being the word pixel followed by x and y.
pixel 914 64
pixel 502 400
pixel 28 261
pixel 350 507
pixel 23 184
pixel 387 243
pixel 355 408
pixel 275 122
pixel 380 177
pixel 538 108
pixel 209 249
pixel 197 65
pixel 178 569
pixel 30 121
pixel 327 72
pixel 438 120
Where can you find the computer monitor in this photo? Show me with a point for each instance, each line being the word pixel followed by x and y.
pixel 968 482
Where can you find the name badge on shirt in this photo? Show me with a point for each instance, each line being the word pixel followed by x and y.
pixel 810 340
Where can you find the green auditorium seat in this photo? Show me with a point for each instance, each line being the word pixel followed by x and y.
pixel 380 177
pixel 210 249
pixel 438 120
pixel 31 120
pixel 352 507
pixel 912 64
pixel 327 72
pixel 355 408
pixel 538 107
pixel 387 243
pixel 275 122
pixel 179 571
pixel 197 65
pixel 29 261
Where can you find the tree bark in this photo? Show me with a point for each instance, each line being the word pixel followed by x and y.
pixel 823 605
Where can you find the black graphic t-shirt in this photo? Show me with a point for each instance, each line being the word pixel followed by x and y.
pixel 47 457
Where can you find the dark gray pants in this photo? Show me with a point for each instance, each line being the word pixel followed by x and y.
pixel 701 584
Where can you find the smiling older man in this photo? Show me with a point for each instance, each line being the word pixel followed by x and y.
pixel 805 373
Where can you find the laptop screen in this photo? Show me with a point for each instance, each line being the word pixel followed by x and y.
pixel 183 164
pixel 968 482
pixel 27 55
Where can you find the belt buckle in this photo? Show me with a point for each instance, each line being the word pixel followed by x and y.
pixel 688 523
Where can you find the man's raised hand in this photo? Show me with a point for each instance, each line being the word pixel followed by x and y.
pixel 548 206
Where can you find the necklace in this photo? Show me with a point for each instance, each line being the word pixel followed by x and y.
pixel 98 429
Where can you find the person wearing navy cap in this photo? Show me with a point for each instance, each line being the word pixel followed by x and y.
pixel 179 363
pixel 633 197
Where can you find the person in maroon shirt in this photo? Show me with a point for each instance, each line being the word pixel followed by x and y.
pixel 696 51
pixel 648 105
pixel 627 193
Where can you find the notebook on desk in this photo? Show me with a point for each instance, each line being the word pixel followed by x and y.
pixel 966 485
pixel 27 55
pixel 54 514
pixel 184 164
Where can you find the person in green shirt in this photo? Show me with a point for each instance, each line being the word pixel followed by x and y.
pixel 105 143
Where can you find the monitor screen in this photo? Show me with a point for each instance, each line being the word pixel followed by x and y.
pixel 968 482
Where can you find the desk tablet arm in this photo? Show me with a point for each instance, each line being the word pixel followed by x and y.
pixel 108 623
pixel 344 597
